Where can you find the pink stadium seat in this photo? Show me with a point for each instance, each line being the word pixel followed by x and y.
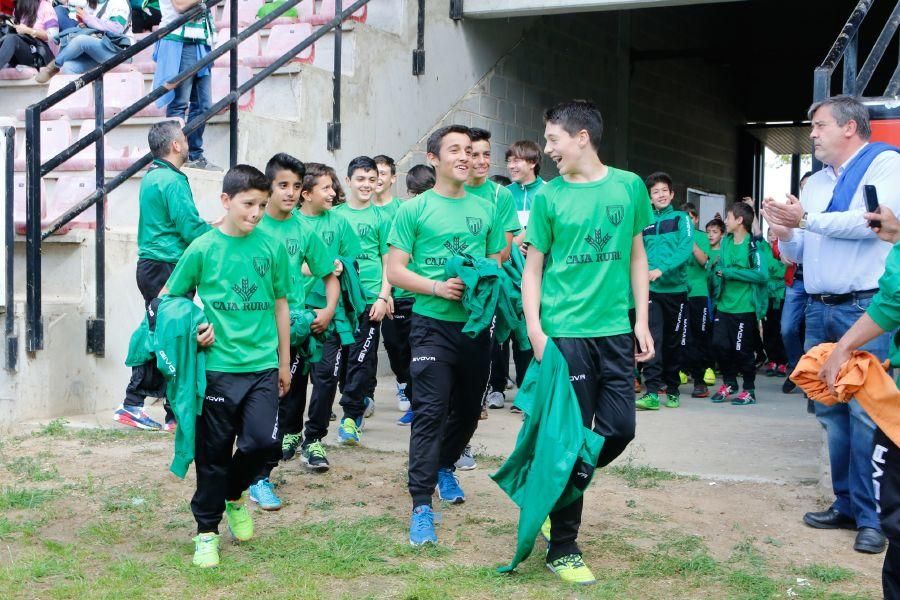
pixel 326 12
pixel 19 203
pixel 247 10
pixel 80 101
pixel 143 61
pixel 69 191
pixel 56 136
pixel 124 89
pixel 220 87
pixel 281 39
pixel 249 48
pixel 17 73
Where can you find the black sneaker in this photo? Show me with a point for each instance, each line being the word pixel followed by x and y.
pixel 289 445
pixel 202 164
pixel 313 456
pixel 788 386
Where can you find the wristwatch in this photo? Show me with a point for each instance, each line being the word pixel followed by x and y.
pixel 802 223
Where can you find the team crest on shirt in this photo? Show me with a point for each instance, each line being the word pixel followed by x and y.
pixel 261 265
pixel 615 214
pixel 363 229
pixel 328 237
pixel 293 246
pixel 475 225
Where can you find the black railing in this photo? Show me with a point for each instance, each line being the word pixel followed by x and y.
pixel 35 170
pixel 9 235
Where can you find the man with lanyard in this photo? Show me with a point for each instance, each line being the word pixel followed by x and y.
pixel 828 229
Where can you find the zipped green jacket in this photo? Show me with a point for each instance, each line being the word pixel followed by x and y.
pixel 554 450
pixel 775 285
pixel 523 195
pixel 351 303
pixel 743 283
pixel 669 241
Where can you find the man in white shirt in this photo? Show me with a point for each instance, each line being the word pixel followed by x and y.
pixel 842 260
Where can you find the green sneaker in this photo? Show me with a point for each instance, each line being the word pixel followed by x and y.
pixel 672 401
pixel 682 376
pixel 545 530
pixel 709 377
pixel 239 522
pixel 650 401
pixel 206 550
pixel 571 569
pixel 289 445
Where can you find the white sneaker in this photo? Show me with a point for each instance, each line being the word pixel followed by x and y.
pixel 402 400
pixel 466 461
pixel 496 400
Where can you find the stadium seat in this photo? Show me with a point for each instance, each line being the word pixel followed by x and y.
pixel 114 159
pixel 19 202
pixel 121 90
pixel 326 12
pixel 69 191
pixel 143 60
pixel 281 39
pixel 79 105
pixel 249 48
pixel 220 87
pixel 56 136
pixel 247 10
pixel 14 73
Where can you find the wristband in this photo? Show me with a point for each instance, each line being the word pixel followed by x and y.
pixel 382 298
pixel 434 288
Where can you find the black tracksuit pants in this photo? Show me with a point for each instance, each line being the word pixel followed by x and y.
pixel 668 325
pixel 606 396
pixel 734 346
pixel 886 480
pixel 290 412
pixel 772 341
pixel 450 372
pixel 325 376
pixel 146 380
pixel 360 366
pixel 500 363
pixel 242 406
pixel 697 355
pixel 396 341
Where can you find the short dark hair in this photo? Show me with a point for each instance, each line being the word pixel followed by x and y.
pixel 715 222
pixel 433 146
pixel 846 108
pixel 242 178
pixel 500 180
pixel 313 172
pixel 161 136
pixel 690 209
pixel 284 162
pixel 575 115
pixel 527 151
pixel 420 179
pixel 340 197
pixel 366 163
pixel 659 177
pixel 478 134
pixel 740 210
pixel 384 159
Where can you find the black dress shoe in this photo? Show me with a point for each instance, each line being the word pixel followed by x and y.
pixel 870 541
pixel 829 519
pixel 788 386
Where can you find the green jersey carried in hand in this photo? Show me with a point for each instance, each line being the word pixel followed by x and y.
pixel 372 228
pixel 302 245
pixel 586 231
pixel 238 279
pixel 431 228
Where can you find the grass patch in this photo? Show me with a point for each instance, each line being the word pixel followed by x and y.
pixel 827 574
pixel 55 428
pixel 24 498
pixel 130 499
pixel 642 476
pixel 31 468
pixel 323 505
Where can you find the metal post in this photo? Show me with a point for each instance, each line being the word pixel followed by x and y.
pixel 795 175
pixel 334 127
pixel 96 327
pixel 850 66
pixel 34 330
pixel 233 80
pixel 456 10
pixel 419 52
pixel 12 341
pixel 821 90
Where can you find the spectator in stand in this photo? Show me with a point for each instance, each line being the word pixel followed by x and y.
pixel 793 314
pixel 80 48
pixel 145 15
pixel 176 53
pixel 35 24
pixel 843 260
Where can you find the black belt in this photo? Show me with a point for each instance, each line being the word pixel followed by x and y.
pixel 834 299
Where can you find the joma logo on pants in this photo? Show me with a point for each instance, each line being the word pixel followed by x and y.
pixel 365 348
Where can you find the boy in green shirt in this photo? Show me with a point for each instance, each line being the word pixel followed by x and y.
pixel 372 227
pixel 317 195
pixel 586 256
pixel 168 223
pixel 241 275
pixel 523 161
pixel 669 240
pixel 285 174
pixel 449 369
pixel 697 359
pixel 740 273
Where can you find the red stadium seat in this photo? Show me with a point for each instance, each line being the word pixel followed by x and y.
pixel 56 136
pixel 121 90
pixel 326 12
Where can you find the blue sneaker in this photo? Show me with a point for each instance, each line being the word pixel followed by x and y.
pixel 370 407
pixel 402 398
pixel 263 493
pixel 138 419
pixel 448 487
pixel 421 526
pixel 406 419
pixel 348 433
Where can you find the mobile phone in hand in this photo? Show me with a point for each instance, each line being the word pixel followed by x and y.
pixel 871 196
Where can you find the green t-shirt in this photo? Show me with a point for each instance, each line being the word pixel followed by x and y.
pixel 586 231
pixel 238 279
pixel 432 228
pixel 390 209
pixel 696 273
pixel 336 233
pixel 502 200
pixel 372 228
pixel 736 296
pixel 302 245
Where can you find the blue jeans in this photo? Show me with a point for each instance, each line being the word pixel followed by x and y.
pixel 196 92
pixel 83 53
pixel 847 426
pixel 62 15
pixel 792 316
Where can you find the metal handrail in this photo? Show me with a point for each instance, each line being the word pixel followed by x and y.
pixel 9 234
pixel 35 169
